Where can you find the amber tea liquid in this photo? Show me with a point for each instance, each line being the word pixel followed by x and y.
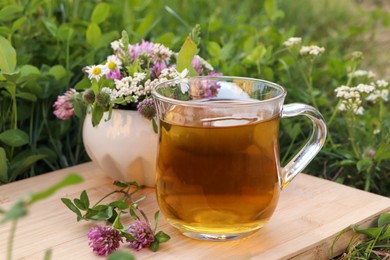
pixel 218 176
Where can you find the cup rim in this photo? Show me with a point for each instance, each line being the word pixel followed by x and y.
pixel 198 103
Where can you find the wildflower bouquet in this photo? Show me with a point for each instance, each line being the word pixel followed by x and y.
pixel 125 79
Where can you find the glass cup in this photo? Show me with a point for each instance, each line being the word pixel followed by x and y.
pixel 218 170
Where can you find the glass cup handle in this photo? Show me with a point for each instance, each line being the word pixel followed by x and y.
pixel 313 145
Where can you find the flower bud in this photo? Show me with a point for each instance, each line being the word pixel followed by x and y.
pixel 146 108
pixel 89 96
pixel 103 99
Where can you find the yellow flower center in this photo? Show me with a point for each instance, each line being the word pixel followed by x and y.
pixel 111 65
pixel 96 71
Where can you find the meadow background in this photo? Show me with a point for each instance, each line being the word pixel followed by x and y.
pixel 53 40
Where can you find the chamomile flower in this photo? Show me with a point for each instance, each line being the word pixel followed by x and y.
pixel 96 71
pixel 113 63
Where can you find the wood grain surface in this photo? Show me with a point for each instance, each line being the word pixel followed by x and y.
pixel 310 214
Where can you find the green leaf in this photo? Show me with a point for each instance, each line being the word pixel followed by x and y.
pixel 364 164
pixel 146 25
pixel 185 56
pixel 3 166
pixel 27 96
pixel 65 33
pixel 123 184
pixel 154 125
pixel 270 7
pixel 70 179
pixel 79 204
pixel 133 214
pixel 17 211
pixel 48 254
pixel 384 220
pixel 100 207
pixel 28 72
pixel 155 245
pixel 93 34
pixel 385 235
pixel 10 12
pixel 72 207
pixel 57 71
pixel 127 236
pixel 100 13
pixel 369 232
pixel 117 223
pixel 214 49
pixel 161 237
pixel 84 198
pixel 99 215
pixel 383 152
pixel 120 204
pixel 97 114
pixel 50 26
pixel 83 84
pixel 18 23
pixel 19 167
pixel 7 56
pixel 14 137
pixel 119 255
pixel 255 56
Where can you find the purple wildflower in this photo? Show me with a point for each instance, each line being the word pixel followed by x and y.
pixel 214 74
pixel 114 74
pixel 63 107
pixel 158 66
pixel 142 233
pixel 146 108
pixel 104 240
pixel 144 48
pixel 197 65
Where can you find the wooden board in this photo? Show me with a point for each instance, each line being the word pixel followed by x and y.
pixel 310 213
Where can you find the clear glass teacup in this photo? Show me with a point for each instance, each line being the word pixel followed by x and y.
pixel 218 170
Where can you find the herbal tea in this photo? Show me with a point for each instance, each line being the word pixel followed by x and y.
pixel 218 176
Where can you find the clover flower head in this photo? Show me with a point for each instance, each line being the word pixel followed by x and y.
pixel 63 107
pixel 291 42
pixel 104 240
pixel 146 108
pixel 142 234
pixel 200 65
pixel 89 96
pixel 312 51
pixel 96 71
pixel 114 74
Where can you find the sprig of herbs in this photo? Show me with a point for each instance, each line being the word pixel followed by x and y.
pixel 112 211
pixel 20 208
pixel 375 245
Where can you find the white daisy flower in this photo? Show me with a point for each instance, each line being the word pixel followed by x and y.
pixel 96 71
pixel 113 62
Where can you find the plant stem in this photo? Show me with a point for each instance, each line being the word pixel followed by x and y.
pixel 105 197
pixel 11 239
